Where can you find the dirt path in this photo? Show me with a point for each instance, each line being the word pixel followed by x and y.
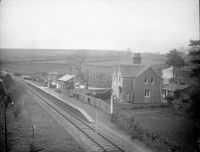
pixel 49 135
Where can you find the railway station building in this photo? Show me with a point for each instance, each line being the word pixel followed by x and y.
pixel 65 83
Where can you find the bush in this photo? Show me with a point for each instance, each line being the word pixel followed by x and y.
pixel 186 99
pixel 15 91
pixel 170 99
pixel 32 147
pixel 103 96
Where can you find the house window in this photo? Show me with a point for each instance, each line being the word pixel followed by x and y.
pixel 119 79
pixel 145 80
pixel 147 93
pixel 152 80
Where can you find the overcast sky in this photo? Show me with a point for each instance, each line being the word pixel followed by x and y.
pixel 142 25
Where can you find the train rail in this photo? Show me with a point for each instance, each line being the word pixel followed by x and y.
pixel 99 142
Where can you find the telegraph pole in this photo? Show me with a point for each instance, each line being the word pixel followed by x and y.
pixel 5 124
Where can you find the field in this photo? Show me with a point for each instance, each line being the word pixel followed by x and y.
pixel 31 68
pixel 100 69
pixel 147 59
pixel 165 122
pixel 61 65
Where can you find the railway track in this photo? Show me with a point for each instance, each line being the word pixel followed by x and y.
pixel 98 142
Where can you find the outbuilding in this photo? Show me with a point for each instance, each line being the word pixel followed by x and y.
pixel 175 90
pixel 52 78
pixel 65 83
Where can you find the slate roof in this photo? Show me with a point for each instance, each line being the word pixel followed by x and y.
pixel 174 87
pixel 66 77
pixel 132 70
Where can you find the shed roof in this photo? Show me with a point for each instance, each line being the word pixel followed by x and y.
pixel 175 87
pixel 66 77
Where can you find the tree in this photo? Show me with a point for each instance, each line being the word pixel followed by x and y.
pixel 194 94
pixel 175 59
pixel 195 54
pixel 8 81
pixel 13 90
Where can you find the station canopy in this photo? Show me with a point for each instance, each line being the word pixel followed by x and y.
pixel 66 77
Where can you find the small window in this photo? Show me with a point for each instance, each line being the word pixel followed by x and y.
pixel 147 93
pixel 119 79
pixel 152 80
pixel 145 80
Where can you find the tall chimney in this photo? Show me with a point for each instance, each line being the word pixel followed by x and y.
pixel 137 59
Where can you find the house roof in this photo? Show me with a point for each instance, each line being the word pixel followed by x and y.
pixel 174 87
pixel 159 67
pixel 133 70
pixel 130 70
pixel 66 77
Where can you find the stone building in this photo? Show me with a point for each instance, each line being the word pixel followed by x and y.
pixel 65 83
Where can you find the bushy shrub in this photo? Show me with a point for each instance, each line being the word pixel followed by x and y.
pixel 170 99
pixel 103 96
pixel 32 147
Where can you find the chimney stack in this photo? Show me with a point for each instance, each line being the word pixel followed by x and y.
pixel 137 60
